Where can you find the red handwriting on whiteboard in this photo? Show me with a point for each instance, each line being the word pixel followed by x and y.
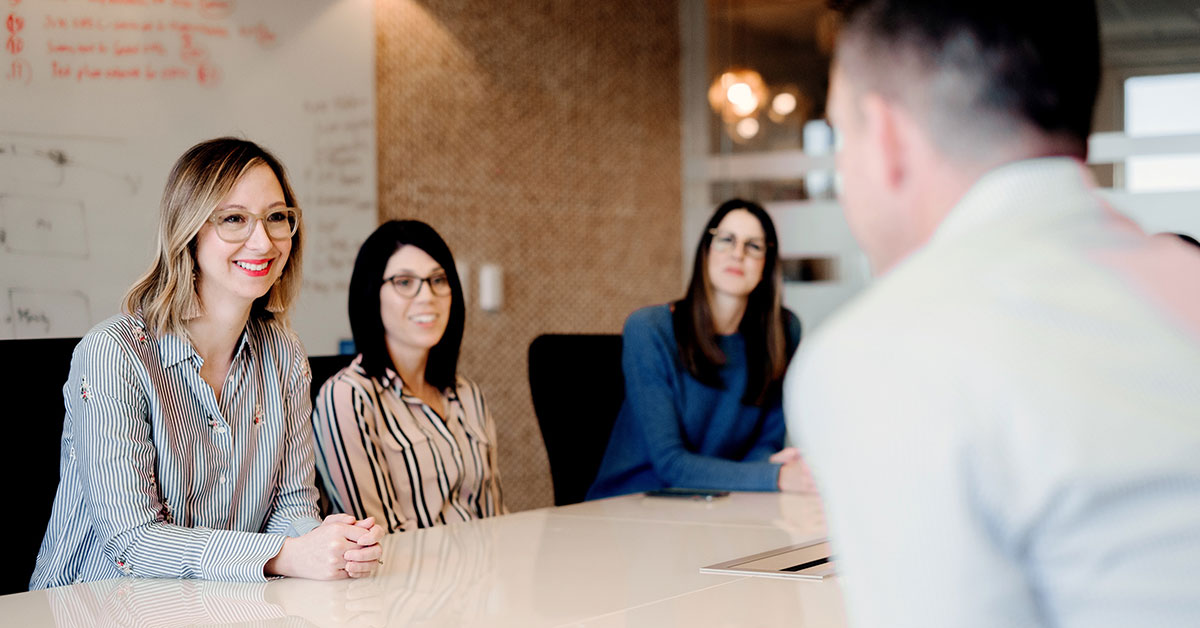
pixel 108 41
pixel 199 29
pixel 207 75
pixel 191 53
pixel 174 73
pixel 14 44
pixel 260 33
pixel 82 48
pixel 19 71
pixel 124 49
pixel 216 8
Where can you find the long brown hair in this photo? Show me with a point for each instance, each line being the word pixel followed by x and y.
pixel 762 324
pixel 165 296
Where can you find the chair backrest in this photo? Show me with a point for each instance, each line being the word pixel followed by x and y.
pixel 577 387
pixel 32 374
pixel 323 367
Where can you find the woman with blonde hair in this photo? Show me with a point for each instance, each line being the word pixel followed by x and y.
pixel 186 446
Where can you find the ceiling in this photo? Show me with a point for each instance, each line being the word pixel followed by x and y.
pixel 1148 19
pixel 1124 21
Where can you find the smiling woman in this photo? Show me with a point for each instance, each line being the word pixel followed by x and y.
pixel 402 437
pixel 186 446
pixel 702 404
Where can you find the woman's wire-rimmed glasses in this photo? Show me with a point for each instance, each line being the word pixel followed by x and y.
pixel 408 286
pixel 235 226
pixel 726 241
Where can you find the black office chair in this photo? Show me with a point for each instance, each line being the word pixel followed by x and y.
pixel 323 367
pixel 32 374
pixel 577 387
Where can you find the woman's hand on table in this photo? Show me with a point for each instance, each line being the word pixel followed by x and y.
pixel 361 560
pixel 795 477
pixel 785 455
pixel 339 548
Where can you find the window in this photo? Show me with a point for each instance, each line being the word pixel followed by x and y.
pixel 1162 105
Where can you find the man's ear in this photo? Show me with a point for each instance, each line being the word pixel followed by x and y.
pixel 884 125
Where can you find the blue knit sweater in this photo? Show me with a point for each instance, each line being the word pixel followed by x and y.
pixel 675 431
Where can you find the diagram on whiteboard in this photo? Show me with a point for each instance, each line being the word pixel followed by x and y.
pixel 34 313
pixel 30 164
pixel 43 226
pixel 99 98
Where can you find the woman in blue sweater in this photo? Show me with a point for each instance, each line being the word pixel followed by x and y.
pixel 702 375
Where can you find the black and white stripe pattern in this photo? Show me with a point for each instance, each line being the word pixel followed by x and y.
pixel 159 479
pixel 383 452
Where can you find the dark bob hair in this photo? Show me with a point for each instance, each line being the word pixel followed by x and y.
pixel 762 326
pixel 366 322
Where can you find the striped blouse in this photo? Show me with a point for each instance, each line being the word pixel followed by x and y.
pixel 160 480
pixel 383 452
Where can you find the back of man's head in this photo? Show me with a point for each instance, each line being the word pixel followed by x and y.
pixel 980 72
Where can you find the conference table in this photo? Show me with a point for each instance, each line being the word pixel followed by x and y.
pixel 625 561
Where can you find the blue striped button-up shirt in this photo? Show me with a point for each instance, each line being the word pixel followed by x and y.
pixel 158 479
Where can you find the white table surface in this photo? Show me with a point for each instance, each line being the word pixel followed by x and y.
pixel 628 561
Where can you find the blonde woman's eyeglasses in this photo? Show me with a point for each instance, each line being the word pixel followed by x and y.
pixel 235 225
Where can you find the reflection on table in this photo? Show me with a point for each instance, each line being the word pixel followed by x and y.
pixel 627 561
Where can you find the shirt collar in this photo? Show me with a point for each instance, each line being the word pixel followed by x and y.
pixel 172 349
pixel 244 344
pixel 391 380
pixel 1020 192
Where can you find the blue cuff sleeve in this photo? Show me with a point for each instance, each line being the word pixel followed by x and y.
pixel 238 556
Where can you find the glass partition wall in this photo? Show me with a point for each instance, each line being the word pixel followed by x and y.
pixel 755 75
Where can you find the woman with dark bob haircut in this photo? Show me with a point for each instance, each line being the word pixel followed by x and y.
pixel 401 436
pixel 702 402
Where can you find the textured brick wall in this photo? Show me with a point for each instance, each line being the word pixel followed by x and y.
pixel 543 137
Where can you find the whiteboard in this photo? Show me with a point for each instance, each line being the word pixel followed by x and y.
pixel 98 98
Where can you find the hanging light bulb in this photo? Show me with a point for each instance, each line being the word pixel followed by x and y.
pixel 742 99
pixel 789 104
pixel 783 104
pixel 737 93
pixel 746 128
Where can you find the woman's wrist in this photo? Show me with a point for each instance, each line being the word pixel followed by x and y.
pixel 277 564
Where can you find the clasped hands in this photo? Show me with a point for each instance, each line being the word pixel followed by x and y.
pixel 338 548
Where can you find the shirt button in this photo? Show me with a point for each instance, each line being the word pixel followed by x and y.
pixel 220 429
pixel 222 479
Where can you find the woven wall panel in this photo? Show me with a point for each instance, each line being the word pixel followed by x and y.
pixel 543 137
